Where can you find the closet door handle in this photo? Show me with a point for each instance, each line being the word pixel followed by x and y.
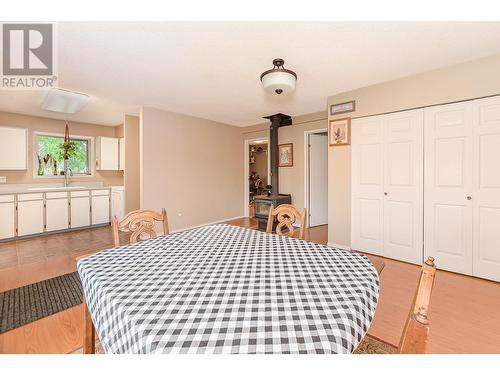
pixel 385 192
pixel 469 198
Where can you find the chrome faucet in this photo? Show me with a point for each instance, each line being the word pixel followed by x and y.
pixel 67 171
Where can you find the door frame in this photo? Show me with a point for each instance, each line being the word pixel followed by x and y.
pixel 307 133
pixel 246 170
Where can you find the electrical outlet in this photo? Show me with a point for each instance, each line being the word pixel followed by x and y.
pixel 3 179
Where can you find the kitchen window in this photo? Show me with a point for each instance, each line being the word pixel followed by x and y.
pixel 49 161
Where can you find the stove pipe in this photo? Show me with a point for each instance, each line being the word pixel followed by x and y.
pixel 277 120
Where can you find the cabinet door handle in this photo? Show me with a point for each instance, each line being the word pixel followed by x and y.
pixel 385 193
pixel 469 198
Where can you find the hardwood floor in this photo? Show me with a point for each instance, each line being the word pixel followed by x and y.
pixel 463 313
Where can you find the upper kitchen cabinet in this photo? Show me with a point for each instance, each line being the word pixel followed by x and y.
pixel 121 164
pixel 107 153
pixel 13 148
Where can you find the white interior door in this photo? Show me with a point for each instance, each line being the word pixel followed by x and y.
pixel 486 188
pixel 403 185
pixel 367 185
pixel 318 179
pixel 448 183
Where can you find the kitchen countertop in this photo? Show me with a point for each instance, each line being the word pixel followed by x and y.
pixel 32 188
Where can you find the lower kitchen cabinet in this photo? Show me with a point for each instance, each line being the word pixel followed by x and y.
pixel 30 214
pixel 7 216
pixel 80 209
pixel 100 207
pixel 56 211
pixel 26 214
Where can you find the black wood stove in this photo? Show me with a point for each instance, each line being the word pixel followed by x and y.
pixel 263 202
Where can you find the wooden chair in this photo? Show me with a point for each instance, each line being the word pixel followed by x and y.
pixel 139 222
pixel 414 337
pixel 287 215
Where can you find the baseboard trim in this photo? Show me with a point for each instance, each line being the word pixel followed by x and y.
pixel 203 225
pixel 343 247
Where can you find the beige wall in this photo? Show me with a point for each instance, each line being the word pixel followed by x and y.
pixel 132 163
pixel 42 124
pixel 292 179
pixel 191 166
pixel 120 130
pixel 459 82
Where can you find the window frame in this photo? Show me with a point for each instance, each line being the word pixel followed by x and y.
pixel 90 154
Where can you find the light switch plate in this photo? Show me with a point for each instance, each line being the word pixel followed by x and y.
pixel 3 179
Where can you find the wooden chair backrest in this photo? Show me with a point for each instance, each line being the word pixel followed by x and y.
pixel 414 337
pixel 139 222
pixel 287 215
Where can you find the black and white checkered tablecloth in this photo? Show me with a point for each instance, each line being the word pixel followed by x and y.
pixel 226 289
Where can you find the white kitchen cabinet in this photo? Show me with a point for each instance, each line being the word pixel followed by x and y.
pixel 107 153
pixel 387 185
pixel 13 148
pixel 121 150
pixel 100 207
pixel 56 211
pixel 117 202
pixel 30 214
pixel 7 216
pixel 80 209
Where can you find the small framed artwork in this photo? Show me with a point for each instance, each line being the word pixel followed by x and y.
pixel 339 108
pixel 339 132
pixel 285 154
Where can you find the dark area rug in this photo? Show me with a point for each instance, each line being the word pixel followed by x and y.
pixel 26 304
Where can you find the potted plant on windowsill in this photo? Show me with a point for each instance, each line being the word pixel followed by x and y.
pixel 68 148
pixel 43 161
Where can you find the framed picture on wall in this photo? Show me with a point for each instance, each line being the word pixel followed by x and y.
pixel 339 108
pixel 339 132
pixel 285 154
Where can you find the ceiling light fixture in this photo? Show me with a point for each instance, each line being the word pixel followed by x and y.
pixel 64 101
pixel 278 79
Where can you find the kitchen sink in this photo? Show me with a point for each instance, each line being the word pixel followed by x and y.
pixel 56 188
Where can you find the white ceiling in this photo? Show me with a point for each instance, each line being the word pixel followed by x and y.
pixel 212 70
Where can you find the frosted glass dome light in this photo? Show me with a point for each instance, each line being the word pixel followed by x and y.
pixel 278 80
